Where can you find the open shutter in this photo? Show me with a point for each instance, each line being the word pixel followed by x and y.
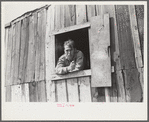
pixel 100 51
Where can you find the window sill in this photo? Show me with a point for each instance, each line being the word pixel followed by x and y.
pixel 75 74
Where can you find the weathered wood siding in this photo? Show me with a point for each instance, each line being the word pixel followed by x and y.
pixel 30 55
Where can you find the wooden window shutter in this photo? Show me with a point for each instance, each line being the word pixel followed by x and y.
pixel 99 34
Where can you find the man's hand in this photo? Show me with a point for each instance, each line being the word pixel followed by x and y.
pixel 71 66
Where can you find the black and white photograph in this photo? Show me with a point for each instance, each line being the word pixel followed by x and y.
pixel 69 54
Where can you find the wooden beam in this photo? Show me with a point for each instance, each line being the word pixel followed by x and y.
pixel 135 36
pixel 139 10
pixel 77 74
pixel 70 28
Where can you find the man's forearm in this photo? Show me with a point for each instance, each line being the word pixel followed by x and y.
pixel 61 70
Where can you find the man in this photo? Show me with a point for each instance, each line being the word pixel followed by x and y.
pixel 72 60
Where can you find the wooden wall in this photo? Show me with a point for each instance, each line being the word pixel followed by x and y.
pixel 30 55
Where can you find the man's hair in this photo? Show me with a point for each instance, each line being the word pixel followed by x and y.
pixel 69 43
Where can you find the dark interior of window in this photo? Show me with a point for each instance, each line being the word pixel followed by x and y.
pixel 81 39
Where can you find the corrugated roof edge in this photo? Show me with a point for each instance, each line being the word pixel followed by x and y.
pixel 25 15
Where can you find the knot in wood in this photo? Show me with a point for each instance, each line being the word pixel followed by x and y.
pixel 34 83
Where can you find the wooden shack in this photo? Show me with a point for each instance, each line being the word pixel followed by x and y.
pixel 110 36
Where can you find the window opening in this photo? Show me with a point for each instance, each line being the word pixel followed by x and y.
pixel 81 39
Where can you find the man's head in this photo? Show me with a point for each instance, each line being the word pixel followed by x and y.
pixel 69 49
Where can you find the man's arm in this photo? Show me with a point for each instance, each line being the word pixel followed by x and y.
pixel 79 62
pixel 61 68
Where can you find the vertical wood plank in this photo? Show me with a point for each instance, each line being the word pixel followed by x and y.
pixel 25 58
pixel 98 10
pixel 141 78
pixel 6 53
pixel 6 38
pixel 41 87
pixel 69 15
pixel 80 14
pixel 120 86
pixel 31 49
pixel 61 91
pixel 17 52
pixel 132 85
pixel 16 93
pixel 140 21
pixel 107 90
pixel 12 54
pixel 107 94
pixel 90 11
pixel 126 47
pixel 137 46
pixel 98 94
pixel 25 92
pixel 135 36
pixel 42 44
pixel 22 49
pixel 8 93
pixel 101 94
pixel 85 89
pixel 72 86
pixel 50 55
pixel 113 89
pixel 59 16
pixel 38 47
pixel 8 58
pixel 33 92
pixel 94 94
pixel 50 90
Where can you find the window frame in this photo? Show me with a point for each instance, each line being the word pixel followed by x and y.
pixel 75 74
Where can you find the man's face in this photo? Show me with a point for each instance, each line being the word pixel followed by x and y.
pixel 69 52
